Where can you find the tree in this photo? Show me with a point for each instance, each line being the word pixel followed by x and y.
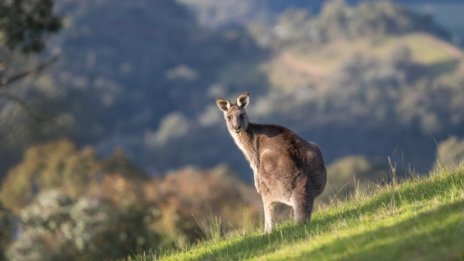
pixel 23 24
pixel 50 166
pixel 23 27
pixel 60 165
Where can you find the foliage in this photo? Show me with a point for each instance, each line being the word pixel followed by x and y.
pixel 377 92
pixel 23 24
pixel 387 90
pixel 60 165
pixel 418 219
pixel 382 104
pixel 191 200
pixel 352 175
pixel 71 203
pixel 85 206
pixel 156 101
pixel 341 21
pixel 56 227
pixel 99 87
pixel 149 88
pixel 24 27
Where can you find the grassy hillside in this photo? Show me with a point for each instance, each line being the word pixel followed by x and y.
pixel 304 65
pixel 418 219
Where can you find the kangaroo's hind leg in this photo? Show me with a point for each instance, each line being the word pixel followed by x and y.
pixel 302 202
pixel 268 215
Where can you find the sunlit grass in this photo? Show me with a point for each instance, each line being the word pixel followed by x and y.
pixel 421 218
pixel 309 64
pixel 426 49
pixel 385 236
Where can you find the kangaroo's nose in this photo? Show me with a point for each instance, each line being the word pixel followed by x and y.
pixel 236 124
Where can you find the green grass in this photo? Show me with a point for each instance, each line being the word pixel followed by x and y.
pixel 420 219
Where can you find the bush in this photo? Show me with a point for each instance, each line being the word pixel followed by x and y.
pixel 72 204
pixel 353 174
pixel 191 201
pixel 60 165
pixel 57 227
pixel 450 152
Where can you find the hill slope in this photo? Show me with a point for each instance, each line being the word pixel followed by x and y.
pixel 149 87
pixel 418 219
pixel 301 66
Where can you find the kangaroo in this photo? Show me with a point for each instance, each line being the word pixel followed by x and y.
pixel 287 169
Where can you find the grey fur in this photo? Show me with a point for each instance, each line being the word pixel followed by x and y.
pixel 287 169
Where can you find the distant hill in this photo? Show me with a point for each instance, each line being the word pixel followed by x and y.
pixel 218 13
pixel 305 66
pixel 143 76
pixel 353 94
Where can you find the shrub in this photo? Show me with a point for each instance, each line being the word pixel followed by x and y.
pixel 57 227
pixel 450 152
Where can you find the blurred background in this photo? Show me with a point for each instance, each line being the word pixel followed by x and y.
pixel 111 143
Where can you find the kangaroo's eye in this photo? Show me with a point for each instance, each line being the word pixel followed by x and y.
pixel 241 116
pixel 229 118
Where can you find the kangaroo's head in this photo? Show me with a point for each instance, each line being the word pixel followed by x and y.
pixel 235 113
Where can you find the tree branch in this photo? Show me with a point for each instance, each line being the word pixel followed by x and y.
pixel 22 104
pixel 19 76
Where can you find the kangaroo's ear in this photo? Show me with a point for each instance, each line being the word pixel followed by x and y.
pixel 223 104
pixel 243 99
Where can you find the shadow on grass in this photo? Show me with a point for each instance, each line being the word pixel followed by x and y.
pixel 254 245
pixel 398 242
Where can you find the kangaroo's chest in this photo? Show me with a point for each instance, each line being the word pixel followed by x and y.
pixel 249 151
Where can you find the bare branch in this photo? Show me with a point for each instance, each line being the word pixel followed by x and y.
pixel 23 104
pixel 19 76
pixel 39 118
